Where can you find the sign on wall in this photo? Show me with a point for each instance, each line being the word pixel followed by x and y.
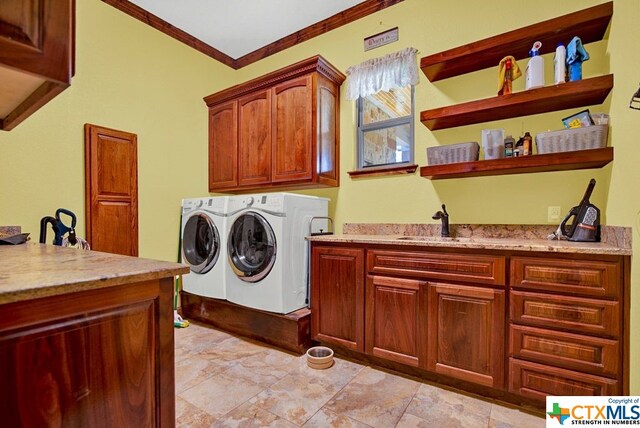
pixel 381 39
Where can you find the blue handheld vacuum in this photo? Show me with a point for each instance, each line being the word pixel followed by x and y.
pixel 59 228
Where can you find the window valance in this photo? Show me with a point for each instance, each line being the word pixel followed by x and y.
pixel 395 70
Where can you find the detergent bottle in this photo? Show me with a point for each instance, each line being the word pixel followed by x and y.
pixel 534 74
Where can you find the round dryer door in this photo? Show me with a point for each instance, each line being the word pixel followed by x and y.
pixel 252 247
pixel 200 243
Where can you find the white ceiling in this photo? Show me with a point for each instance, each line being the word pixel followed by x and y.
pixel 238 27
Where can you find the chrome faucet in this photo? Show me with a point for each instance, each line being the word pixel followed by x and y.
pixel 444 217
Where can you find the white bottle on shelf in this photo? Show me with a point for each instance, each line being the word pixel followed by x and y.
pixel 534 74
pixel 559 64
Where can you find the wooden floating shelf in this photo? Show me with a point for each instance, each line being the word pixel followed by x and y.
pixel 549 98
pixel 403 169
pixel 563 161
pixel 590 24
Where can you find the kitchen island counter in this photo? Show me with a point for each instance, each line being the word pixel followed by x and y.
pixel 36 270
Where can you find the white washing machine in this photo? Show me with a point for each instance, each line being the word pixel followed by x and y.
pixel 267 251
pixel 204 246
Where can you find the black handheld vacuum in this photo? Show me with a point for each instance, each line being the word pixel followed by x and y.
pixel 585 226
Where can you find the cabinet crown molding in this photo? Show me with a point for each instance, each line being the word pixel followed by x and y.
pixel 314 64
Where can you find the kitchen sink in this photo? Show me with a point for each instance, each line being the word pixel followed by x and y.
pixel 430 238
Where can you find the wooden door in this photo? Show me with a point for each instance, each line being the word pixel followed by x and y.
pixel 111 190
pixel 223 146
pixel 337 296
pixel 466 333
pixel 254 139
pixel 396 319
pixel 292 131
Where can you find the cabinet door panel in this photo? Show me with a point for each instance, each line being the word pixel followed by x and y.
pixel 96 370
pixel 292 131
pixel 254 139
pixel 466 333
pixel 35 36
pixel 223 146
pixel 337 296
pixel 327 138
pixel 394 319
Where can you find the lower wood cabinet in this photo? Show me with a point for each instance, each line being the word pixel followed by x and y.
pixel 337 296
pixel 466 333
pixel 396 321
pixel 519 326
pixel 97 358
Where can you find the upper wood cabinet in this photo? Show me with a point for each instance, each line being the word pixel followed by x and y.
pixel 36 55
pixel 279 130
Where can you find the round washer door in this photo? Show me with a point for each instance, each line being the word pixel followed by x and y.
pixel 200 243
pixel 252 247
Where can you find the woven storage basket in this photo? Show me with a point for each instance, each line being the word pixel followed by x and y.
pixel 569 140
pixel 453 153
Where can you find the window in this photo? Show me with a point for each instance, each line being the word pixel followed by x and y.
pixel 385 129
pixel 383 88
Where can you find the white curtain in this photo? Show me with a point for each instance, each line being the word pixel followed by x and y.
pixel 395 70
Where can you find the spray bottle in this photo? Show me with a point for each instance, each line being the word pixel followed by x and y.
pixel 534 74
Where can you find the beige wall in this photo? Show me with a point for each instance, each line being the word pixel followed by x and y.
pixel 130 77
pixel 134 78
pixel 435 26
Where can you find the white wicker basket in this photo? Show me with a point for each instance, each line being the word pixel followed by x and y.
pixel 453 153
pixel 569 140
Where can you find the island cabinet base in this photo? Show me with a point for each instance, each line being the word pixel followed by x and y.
pixel 97 358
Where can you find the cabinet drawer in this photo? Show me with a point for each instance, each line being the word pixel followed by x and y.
pixel 536 381
pixel 572 351
pixel 587 277
pixel 576 314
pixel 478 269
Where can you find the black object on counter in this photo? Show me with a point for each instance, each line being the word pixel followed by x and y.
pixel 585 226
pixel 17 239
pixel 59 228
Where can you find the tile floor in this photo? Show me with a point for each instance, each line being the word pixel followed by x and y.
pixel 228 381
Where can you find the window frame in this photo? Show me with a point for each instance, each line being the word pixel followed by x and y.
pixel 389 123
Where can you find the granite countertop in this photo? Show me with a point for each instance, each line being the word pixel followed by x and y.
pixel 33 270
pixel 615 240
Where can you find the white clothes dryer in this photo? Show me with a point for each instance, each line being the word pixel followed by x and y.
pixel 204 246
pixel 267 251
